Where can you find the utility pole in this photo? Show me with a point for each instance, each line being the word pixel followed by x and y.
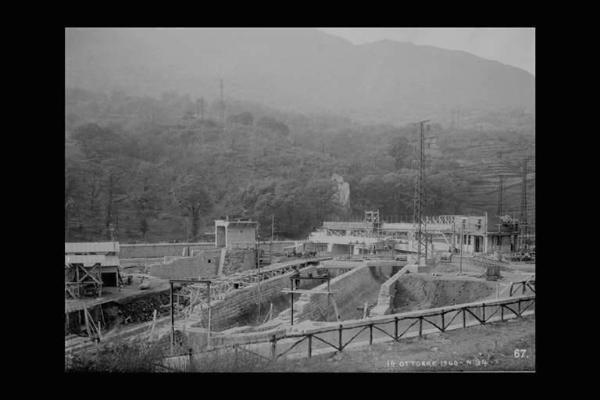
pixel 172 317
pixel 201 109
pixel 111 231
pixel 271 244
pixel 209 315
pixel 222 105
pixel 222 102
pixel 257 259
pixel 500 194
pixel 462 236
pixel 500 190
pixel 523 222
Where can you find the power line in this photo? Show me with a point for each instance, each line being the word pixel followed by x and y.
pixel 222 104
pixel 500 191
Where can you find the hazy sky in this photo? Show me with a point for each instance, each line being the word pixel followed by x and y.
pixel 512 46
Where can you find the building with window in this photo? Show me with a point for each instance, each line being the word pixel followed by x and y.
pixel 444 233
pixel 235 233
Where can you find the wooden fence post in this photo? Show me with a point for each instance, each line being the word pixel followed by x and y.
pixel 420 326
pixel 309 346
pixel 443 327
pixel 483 313
pixel 274 347
pixel 340 337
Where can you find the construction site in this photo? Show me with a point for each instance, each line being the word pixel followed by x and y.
pixel 348 285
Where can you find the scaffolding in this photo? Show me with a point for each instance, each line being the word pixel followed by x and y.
pixel 83 281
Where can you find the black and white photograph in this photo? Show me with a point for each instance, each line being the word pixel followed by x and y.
pixel 299 200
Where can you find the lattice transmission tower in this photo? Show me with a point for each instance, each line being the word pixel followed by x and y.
pixel 418 202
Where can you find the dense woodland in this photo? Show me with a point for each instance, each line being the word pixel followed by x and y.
pixel 162 169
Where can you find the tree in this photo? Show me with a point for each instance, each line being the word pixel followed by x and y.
pixel 401 151
pixel 144 195
pixel 244 118
pixel 298 206
pixel 115 173
pixel 71 187
pixel 274 125
pixel 97 142
pixel 189 194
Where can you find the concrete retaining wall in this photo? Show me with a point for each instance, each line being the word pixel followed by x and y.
pixel 351 289
pixel 278 246
pixel 228 312
pixel 203 265
pixel 154 250
pixel 387 292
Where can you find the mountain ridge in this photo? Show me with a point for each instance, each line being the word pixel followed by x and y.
pixel 304 69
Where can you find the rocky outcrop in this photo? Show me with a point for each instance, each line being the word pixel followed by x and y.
pixel 342 194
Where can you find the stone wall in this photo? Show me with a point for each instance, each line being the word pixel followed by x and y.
pixel 237 260
pixel 155 250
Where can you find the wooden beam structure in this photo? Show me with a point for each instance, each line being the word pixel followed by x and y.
pixel 292 290
pixel 208 283
pixel 309 291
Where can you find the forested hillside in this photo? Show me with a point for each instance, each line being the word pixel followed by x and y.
pixel 162 169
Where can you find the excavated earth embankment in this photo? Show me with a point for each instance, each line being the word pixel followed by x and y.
pixel 418 292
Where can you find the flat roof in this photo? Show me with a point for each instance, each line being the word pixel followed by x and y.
pixel 92 247
pixel 224 222
pixel 347 225
pixel 91 259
